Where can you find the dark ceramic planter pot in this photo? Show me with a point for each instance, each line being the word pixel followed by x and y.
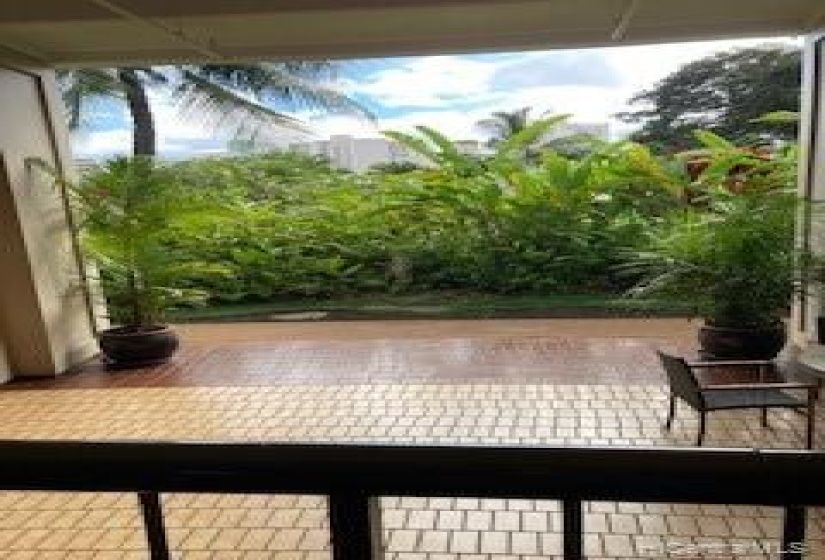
pixel 727 343
pixel 129 347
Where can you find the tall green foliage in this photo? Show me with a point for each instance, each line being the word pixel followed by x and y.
pixel 556 225
pixel 138 228
pixel 290 225
pixel 495 224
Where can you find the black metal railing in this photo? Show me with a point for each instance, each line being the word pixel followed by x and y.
pixel 355 476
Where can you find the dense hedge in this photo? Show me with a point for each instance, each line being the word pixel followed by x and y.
pixel 514 222
pixel 296 227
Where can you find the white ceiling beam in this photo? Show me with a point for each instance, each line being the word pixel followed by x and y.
pixel 624 19
pixel 196 45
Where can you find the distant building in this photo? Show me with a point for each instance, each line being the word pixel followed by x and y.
pixel 85 165
pixel 360 154
pixel 600 131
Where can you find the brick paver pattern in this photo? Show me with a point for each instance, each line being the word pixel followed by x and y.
pixel 58 526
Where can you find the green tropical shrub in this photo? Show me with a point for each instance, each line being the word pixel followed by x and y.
pixel 557 224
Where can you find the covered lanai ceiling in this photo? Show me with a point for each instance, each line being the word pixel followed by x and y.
pixel 104 32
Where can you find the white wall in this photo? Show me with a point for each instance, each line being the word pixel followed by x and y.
pixel 811 225
pixel 44 321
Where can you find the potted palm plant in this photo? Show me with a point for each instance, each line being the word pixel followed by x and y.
pixel 131 213
pixel 731 253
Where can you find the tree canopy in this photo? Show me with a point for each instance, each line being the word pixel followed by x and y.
pixel 725 93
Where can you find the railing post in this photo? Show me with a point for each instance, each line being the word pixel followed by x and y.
pixel 153 524
pixel 355 526
pixel 793 533
pixel 572 525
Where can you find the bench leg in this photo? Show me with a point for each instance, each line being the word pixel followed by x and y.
pixel 811 422
pixel 671 412
pixel 702 424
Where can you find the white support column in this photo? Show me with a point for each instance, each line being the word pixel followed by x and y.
pixel 45 326
pixel 811 227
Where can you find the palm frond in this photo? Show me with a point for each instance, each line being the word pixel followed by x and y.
pixel 291 85
pixel 447 149
pixel 220 107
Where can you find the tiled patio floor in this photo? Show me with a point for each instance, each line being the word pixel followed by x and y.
pixel 587 405
pixel 562 351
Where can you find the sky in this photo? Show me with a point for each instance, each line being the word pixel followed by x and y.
pixel 449 92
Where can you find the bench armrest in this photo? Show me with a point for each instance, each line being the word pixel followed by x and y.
pixel 730 363
pixel 757 386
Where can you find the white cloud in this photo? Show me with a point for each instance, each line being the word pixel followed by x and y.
pixel 430 81
pixel 558 68
pixel 101 143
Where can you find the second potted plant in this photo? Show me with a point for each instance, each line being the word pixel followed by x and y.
pixel 731 254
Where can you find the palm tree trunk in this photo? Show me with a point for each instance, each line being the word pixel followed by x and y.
pixel 143 144
pixel 143 123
